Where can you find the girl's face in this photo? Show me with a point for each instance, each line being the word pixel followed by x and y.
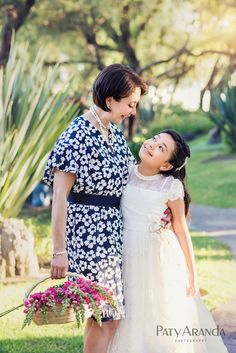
pixel 157 151
pixel 124 108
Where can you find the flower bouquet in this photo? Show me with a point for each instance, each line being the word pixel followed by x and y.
pixel 66 302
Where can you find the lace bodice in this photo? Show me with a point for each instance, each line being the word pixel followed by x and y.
pixel 145 199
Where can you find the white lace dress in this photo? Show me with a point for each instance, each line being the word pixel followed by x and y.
pixel 160 317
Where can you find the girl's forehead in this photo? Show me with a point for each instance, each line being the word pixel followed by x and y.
pixel 163 136
pixel 166 139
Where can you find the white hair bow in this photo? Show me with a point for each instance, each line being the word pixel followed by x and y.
pixel 185 162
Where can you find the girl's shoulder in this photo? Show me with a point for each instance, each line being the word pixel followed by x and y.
pixel 174 187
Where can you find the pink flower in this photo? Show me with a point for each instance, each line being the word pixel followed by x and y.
pixel 71 292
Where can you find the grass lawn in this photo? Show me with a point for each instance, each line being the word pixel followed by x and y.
pixel 211 180
pixel 216 270
pixel 33 339
pixel 211 174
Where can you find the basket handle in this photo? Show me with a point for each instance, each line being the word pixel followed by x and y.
pixel 27 293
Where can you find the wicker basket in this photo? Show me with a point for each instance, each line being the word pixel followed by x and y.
pixel 66 317
pixel 52 319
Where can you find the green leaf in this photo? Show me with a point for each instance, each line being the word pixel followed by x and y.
pixel 32 117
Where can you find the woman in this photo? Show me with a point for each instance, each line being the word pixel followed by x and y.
pixel 89 167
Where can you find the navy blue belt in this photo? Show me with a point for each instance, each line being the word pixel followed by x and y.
pixel 94 200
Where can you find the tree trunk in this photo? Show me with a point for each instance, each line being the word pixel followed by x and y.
pixel 16 17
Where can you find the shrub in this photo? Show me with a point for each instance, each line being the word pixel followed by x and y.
pixel 189 124
pixel 223 112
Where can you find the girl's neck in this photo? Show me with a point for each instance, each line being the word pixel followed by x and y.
pixel 146 170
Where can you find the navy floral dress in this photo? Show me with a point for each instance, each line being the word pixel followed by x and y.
pixel 94 233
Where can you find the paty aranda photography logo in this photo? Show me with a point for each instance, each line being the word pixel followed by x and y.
pixel 186 332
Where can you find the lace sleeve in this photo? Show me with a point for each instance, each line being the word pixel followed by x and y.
pixel 176 190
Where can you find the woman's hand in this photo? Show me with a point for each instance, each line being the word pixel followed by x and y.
pixel 59 266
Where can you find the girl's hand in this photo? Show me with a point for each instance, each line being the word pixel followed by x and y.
pixel 167 218
pixel 191 289
pixel 59 266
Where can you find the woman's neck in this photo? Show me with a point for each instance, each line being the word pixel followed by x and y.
pixel 146 170
pixel 103 116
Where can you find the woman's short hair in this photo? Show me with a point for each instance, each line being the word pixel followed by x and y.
pixel 117 81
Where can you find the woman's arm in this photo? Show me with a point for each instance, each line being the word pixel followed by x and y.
pixel 62 185
pixel 180 228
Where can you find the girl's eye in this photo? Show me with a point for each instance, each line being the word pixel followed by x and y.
pixel 131 106
pixel 161 148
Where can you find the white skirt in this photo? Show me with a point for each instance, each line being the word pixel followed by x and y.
pixel 160 317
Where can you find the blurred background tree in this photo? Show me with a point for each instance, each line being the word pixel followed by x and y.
pixel 170 43
pixel 184 49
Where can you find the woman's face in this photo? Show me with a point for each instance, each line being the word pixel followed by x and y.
pixel 157 151
pixel 125 107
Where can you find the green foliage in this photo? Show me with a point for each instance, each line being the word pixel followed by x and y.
pixel 223 113
pixel 135 146
pixel 189 124
pixel 184 121
pixel 211 174
pixel 32 116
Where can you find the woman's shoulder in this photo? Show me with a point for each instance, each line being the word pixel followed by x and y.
pixel 76 130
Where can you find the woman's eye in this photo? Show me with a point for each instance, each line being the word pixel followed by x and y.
pixel 161 148
pixel 131 106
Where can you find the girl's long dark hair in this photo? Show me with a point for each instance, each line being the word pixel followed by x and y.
pixel 178 158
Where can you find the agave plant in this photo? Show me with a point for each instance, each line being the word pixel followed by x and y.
pixel 31 119
pixel 223 112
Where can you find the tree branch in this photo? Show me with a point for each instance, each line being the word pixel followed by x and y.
pixel 177 54
pixel 70 62
pixel 211 51
pixel 16 16
pixel 210 81
pixel 106 25
pixel 125 40
pixel 89 32
pixel 168 74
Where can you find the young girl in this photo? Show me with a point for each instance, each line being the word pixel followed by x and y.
pixel 164 311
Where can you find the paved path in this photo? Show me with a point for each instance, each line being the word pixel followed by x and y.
pixel 217 222
pixel 220 223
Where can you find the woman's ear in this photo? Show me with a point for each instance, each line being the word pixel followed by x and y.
pixel 166 166
pixel 108 102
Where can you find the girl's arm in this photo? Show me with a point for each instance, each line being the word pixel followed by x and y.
pixel 180 228
pixel 62 185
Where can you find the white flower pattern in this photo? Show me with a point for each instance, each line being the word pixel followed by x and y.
pixel 94 234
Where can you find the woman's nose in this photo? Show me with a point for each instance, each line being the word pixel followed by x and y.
pixel 134 111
